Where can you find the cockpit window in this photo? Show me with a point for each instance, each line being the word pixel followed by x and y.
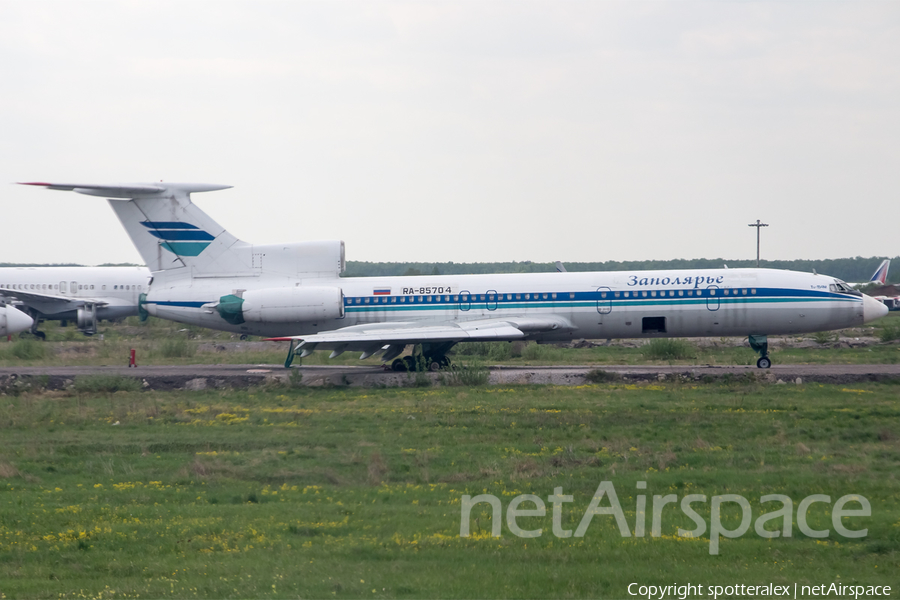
pixel 842 288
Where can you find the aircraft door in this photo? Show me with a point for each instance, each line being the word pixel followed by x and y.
pixel 73 287
pixel 492 300
pixel 604 300
pixel 464 302
pixel 62 287
pixel 712 299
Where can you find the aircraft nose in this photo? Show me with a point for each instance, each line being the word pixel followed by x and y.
pixel 16 321
pixel 873 309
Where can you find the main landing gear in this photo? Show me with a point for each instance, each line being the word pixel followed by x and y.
pixel 433 357
pixel 760 344
pixel 34 326
pixel 417 363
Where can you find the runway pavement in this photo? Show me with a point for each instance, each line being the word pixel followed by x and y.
pixel 199 377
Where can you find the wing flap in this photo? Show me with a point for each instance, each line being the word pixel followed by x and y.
pixel 364 340
pixel 364 337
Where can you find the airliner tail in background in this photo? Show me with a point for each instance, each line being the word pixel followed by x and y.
pixel 881 273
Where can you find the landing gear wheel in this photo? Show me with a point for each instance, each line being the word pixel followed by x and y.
pixel 764 362
pixel 410 363
pixel 40 335
pixel 434 366
pixel 398 365
pixel 243 337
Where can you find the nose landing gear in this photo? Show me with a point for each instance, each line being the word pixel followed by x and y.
pixel 760 344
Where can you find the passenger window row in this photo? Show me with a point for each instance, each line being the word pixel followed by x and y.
pixel 497 297
pixel 63 287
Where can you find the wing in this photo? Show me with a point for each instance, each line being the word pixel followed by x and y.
pixel 393 337
pixel 48 303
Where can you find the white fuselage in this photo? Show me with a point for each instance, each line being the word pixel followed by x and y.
pixel 54 292
pixel 628 304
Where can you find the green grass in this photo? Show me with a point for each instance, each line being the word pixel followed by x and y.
pixel 98 384
pixel 339 492
pixel 669 349
pixel 23 350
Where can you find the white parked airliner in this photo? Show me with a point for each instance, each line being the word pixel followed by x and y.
pixel 85 295
pixel 205 276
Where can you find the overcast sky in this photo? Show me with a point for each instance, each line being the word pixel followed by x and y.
pixel 461 131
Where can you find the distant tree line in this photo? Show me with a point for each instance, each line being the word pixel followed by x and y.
pixel 858 269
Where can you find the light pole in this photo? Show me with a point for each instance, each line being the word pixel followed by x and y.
pixel 757 225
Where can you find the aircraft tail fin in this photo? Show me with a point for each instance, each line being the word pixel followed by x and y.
pixel 177 240
pixel 880 275
pixel 169 231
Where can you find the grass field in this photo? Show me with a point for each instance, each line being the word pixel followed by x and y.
pixel 343 493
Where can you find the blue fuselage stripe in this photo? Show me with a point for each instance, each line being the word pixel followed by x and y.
pixel 362 304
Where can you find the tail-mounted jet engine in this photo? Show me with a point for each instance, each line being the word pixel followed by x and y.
pixel 282 305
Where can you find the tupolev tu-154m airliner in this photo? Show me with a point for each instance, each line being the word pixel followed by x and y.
pixel 203 275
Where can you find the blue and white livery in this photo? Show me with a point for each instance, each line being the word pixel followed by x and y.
pixel 203 275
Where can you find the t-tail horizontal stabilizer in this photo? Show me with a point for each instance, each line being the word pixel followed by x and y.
pixel 168 230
